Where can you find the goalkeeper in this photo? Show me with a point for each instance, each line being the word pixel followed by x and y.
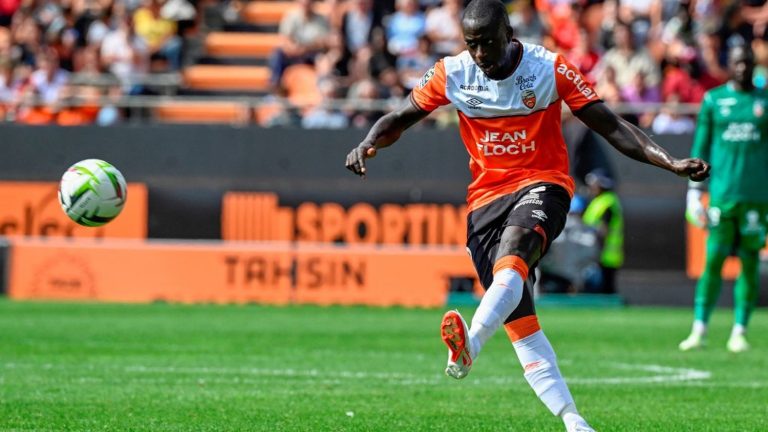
pixel 731 133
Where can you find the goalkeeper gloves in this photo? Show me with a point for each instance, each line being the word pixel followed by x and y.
pixel 695 213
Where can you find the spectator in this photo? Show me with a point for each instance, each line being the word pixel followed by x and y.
pixel 365 90
pixel 26 36
pixel 6 82
pixel 526 22
pixel 583 56
pixel 306 34
pixel 7 9
pixel 126 55
pixel 358 27
pixel 31 110
pixel 357 24
pixel 48 78
pixel 638 92
pixel 637 13
pixel 734 30
pixel 8 52
pixel 410 68
pixel 89 65
pixel 159 34
pixel 564 25
pixel 390 80
pixel 182 12
pixel 628 61
pixel 607 87
pixel 670 121
pixel 404 27
pixel 678 81
pixel 64 38
pixel 443 26
pixel 99 26
pixel 380 58
pixel 710 47
pixel 325 116
pixel 330 62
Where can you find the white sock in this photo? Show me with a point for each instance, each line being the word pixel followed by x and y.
pixel 738 329
pixel 540 365
pixel 497 304
pixel 699 328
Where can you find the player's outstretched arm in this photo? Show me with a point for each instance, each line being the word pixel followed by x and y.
pixel 631 141
pixel 383 133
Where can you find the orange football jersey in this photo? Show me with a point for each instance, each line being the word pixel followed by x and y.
pixel 511 128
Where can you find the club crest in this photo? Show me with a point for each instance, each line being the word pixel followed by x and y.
pixel 529 98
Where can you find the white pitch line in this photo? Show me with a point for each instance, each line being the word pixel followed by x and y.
pixel 660 375
pixel 651 374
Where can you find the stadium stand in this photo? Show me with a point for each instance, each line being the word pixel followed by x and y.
pixel 230 48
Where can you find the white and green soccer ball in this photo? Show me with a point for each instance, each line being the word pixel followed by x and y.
pixel 92 192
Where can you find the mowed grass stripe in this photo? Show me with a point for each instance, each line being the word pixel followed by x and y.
pixel 172 367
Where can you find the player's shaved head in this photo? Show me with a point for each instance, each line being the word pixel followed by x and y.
pixel 741 64
pixel 486 13
pixel 488 36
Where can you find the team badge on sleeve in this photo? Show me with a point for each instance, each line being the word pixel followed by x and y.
pixel 427 76
pixel 529 98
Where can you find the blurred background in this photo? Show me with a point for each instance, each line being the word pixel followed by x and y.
pixel 230 119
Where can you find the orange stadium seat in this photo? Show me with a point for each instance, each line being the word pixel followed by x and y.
pixel 271 12
pixel 300 82
pixel 202 112
pixel 227 78
pixel 226 44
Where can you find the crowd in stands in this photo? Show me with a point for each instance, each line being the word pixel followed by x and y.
pixel 635 51
pixel 667 52
pixel 52 51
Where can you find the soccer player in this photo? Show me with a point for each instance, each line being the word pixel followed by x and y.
pixel 731 131
pixel 509 97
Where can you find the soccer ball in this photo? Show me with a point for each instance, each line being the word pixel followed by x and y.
pixel 92 192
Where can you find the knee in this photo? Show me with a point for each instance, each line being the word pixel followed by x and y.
pixel 749 258
pixel 522 242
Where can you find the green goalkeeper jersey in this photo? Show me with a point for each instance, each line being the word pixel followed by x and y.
pixel 732 135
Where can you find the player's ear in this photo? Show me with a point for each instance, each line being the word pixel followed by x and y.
pixel 510 33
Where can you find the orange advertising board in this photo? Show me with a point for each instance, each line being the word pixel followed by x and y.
pixel 257 216
pixel 231 272
pixel 32 209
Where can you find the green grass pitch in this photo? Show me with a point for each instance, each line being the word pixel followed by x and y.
pixel 96 367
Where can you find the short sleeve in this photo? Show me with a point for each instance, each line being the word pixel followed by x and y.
pixel 575 90
pixel 430 93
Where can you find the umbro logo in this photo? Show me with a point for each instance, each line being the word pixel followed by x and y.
pixel 539 214
pixel 474 103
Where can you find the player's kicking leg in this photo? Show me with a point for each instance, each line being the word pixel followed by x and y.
pixel 455 334
pixel 506 294
pixel 499 301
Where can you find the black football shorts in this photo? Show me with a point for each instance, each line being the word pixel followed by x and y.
pixel 541 207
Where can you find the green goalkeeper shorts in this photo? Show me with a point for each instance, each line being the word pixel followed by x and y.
pixel 738 224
